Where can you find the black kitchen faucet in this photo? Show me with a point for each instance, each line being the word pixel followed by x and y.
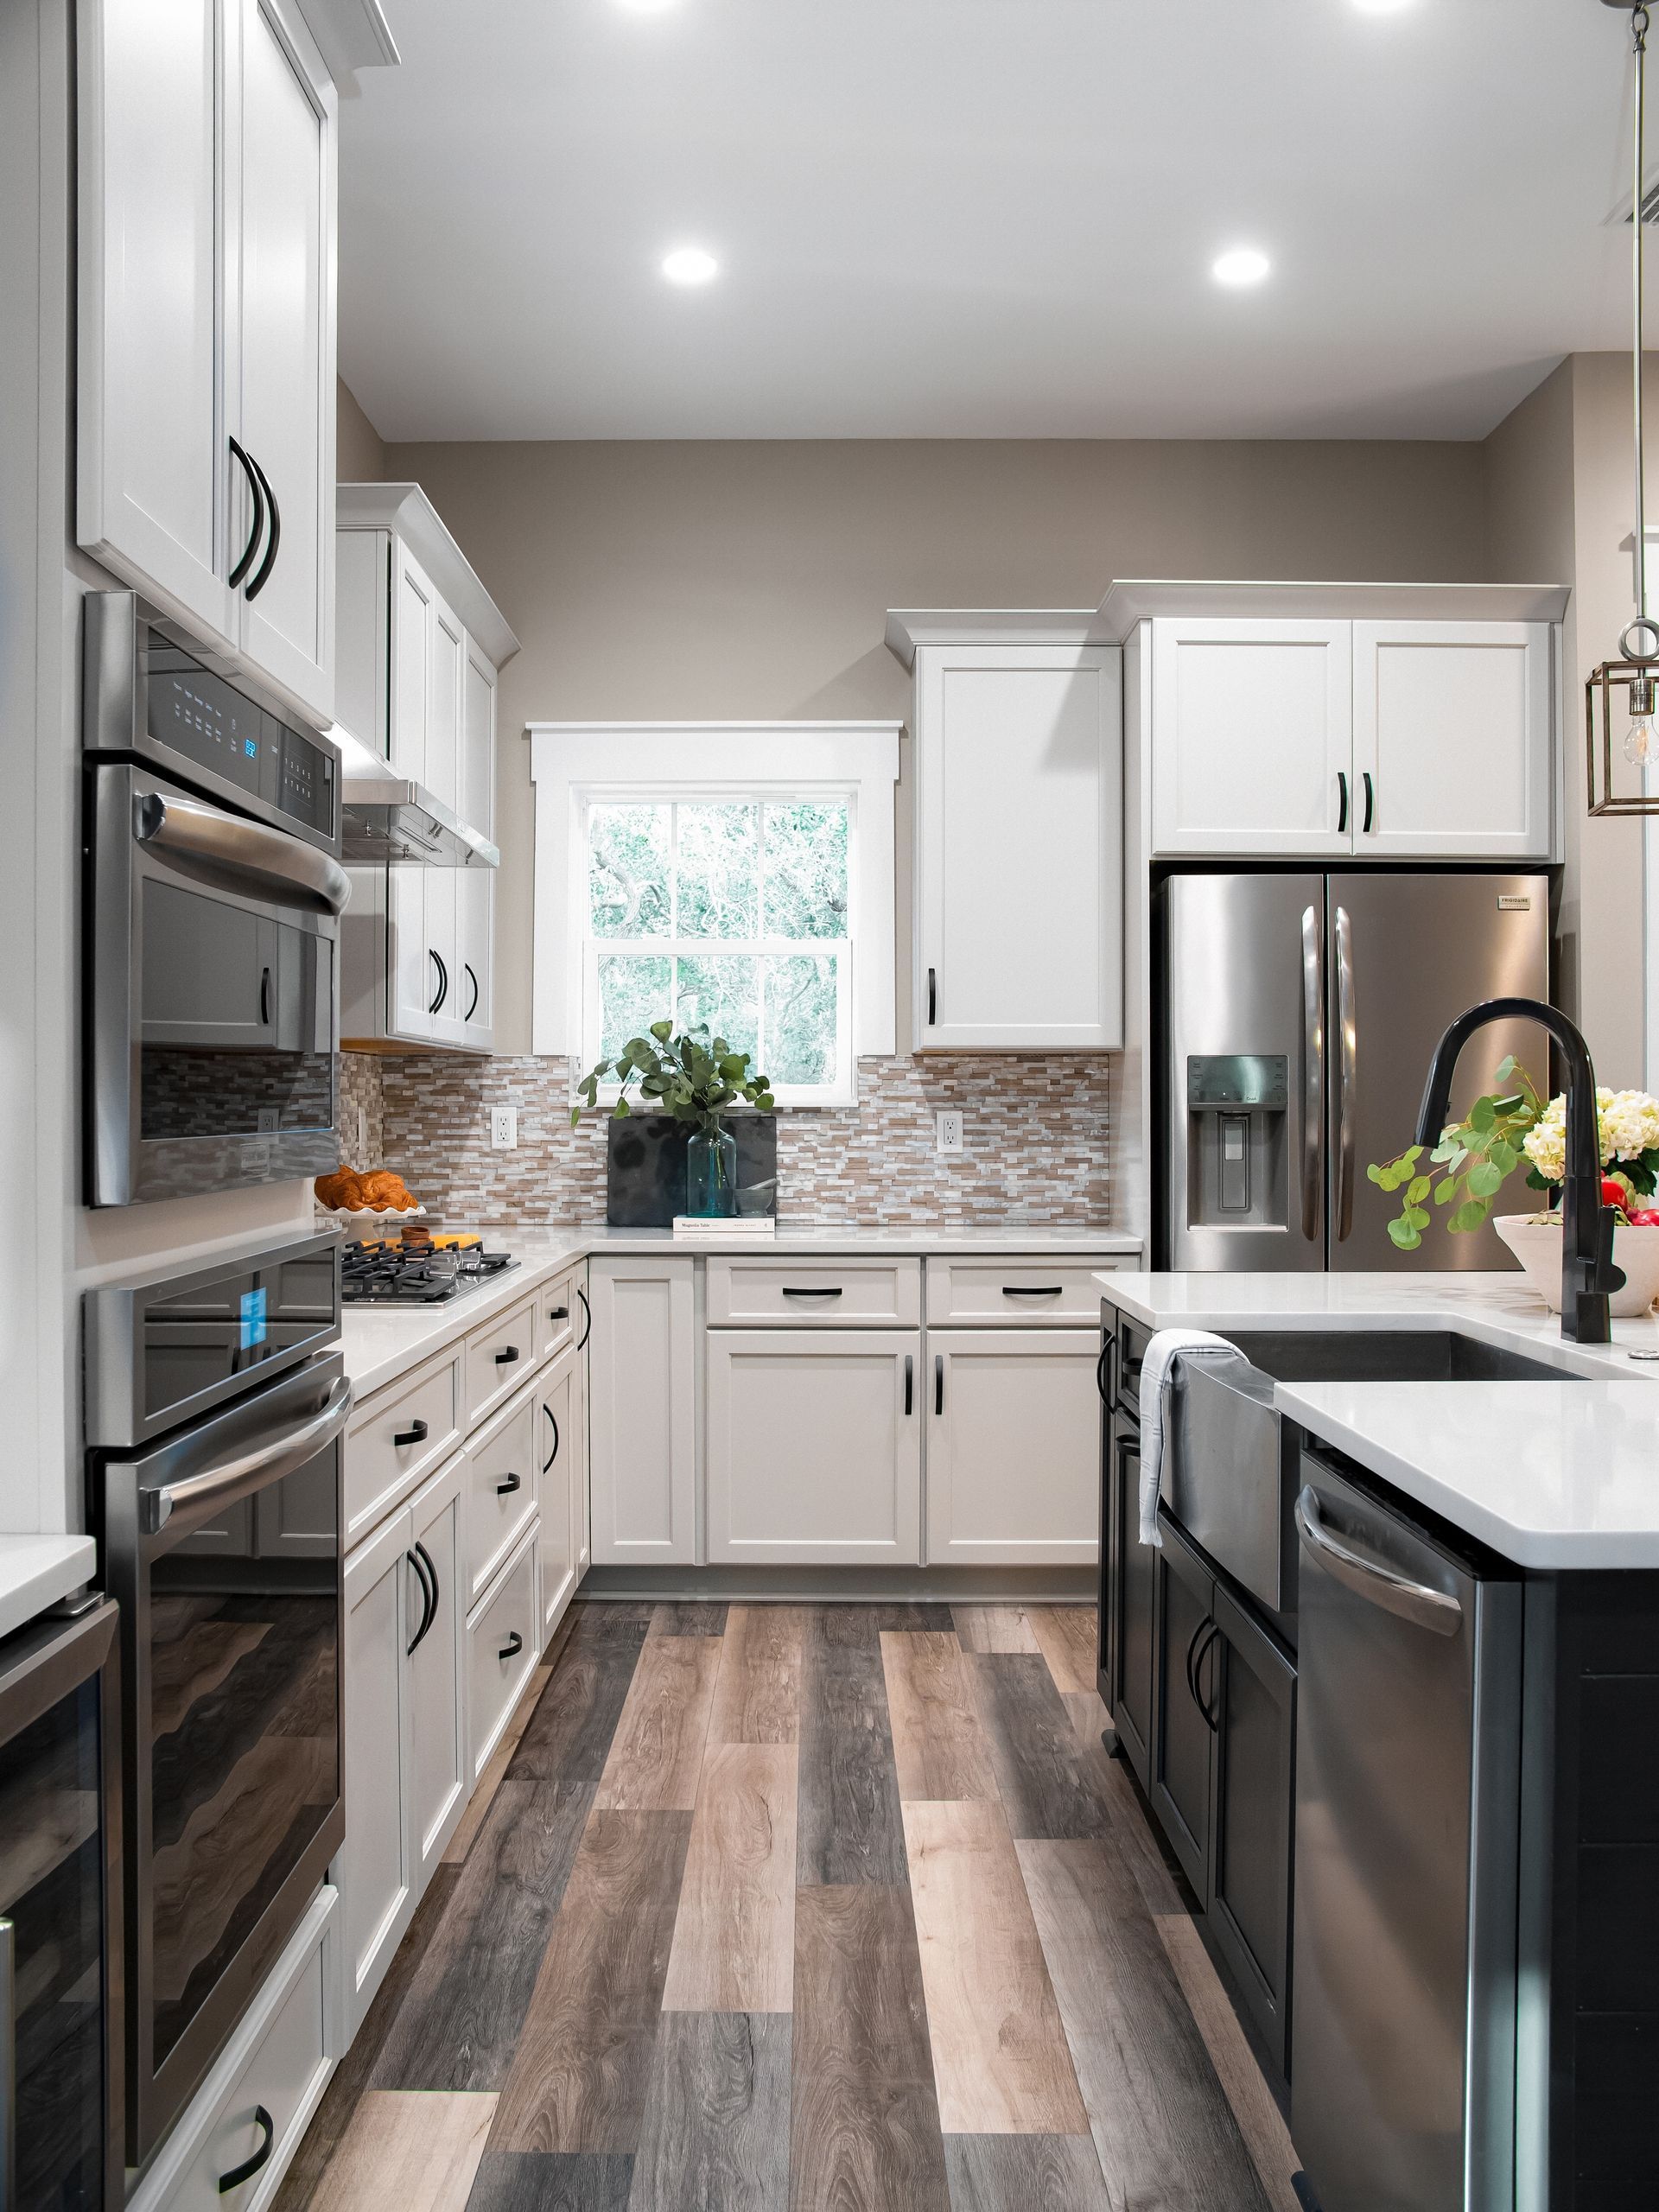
pixel 1588 1275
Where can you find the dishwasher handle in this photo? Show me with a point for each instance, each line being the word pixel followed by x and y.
pixel 1368 1578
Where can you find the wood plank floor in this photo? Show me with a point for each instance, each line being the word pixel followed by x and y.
pixel 802 1908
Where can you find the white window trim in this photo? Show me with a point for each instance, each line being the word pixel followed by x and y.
pixel 571 763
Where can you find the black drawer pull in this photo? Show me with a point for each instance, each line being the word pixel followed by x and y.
pixel 811 1290
pixel 512 1647
pixel 1032 1290
pixel 554 1421
pixel 417 1433
pixel 506 1488
pixel 506 1358
pixel 938 1382
pixel 910 1385
pixel 558 1313
pixel 248 2167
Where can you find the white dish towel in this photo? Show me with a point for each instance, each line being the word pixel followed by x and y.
pixel 1154 1394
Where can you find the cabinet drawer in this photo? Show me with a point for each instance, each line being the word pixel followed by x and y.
pixel 1015 1293
pixel 498 1490
pixel 815 1294
pixel 503 1652
pixel 396 1439
pixel 498 1358
pixel 556 1317
pixel 281 2075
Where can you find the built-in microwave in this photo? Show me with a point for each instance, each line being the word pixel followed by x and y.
pixel 212 896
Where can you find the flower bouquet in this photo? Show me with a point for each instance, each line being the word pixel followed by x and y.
pixel 1507 1129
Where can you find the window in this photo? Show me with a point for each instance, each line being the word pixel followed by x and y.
pixel 729 911
pixel 741 874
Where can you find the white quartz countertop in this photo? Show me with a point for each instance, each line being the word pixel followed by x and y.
pixel 1551 1475
pixel 383 1341
pixel 36 1571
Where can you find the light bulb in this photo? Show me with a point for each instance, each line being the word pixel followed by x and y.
pixel 1641 742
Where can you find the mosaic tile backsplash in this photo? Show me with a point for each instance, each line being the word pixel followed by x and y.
pixel 1035 1129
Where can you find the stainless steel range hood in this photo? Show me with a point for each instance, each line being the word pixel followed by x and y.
pixel 384 816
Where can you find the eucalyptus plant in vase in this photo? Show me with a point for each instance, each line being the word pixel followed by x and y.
pixel 697 1078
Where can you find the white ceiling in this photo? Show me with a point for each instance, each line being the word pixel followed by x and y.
pixel 979 218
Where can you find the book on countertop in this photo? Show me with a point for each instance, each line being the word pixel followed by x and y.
pixel 730 1224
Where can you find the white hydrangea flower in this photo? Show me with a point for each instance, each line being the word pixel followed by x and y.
pixel 1628 1127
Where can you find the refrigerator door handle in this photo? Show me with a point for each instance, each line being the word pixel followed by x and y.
pixel 1312 1070
pixel 1347 1060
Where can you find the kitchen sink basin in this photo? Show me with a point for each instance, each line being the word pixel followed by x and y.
pixel 1387 1355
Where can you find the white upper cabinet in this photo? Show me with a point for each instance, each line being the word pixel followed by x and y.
pixel 1426 739
pixel 205 411
pixel 1452 740
pixel 1252 726
pixel 285 356
pixel 1019 860
pixel 414 620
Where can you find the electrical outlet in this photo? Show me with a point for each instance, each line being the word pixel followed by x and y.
pixel 947 1133
pixel 503 1129
pixel 269 1121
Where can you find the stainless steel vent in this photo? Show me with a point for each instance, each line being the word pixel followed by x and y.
pixel 391 819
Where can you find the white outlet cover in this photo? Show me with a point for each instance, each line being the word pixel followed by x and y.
pixel 947 1133
pixel 503 1129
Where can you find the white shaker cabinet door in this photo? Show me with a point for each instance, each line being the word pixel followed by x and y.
pixel 438 1777
pixel 375 1870
pixel 158 499
pixel 558 1446
pixel 1019 849
pixel 814 1446
pixel 1453 740
pixel 284 199
pixel 414 613
pixel 1013 1447
pixel 412 970
pixel 642 1411
pixel 1252 736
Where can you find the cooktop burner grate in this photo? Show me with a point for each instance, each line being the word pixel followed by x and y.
pixel 416 1274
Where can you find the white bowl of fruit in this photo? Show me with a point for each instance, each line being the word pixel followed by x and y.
pixel 1536 1241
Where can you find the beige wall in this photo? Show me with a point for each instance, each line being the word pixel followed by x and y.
pixel 359 450
pixel 751 579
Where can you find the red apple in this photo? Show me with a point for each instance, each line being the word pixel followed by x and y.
pixel 1614 1194
pixel 1645 1218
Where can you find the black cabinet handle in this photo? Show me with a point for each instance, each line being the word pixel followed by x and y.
pixel 810 1290
pixel 444 980
pixel 1370 802
pixel 1027 1290
pixel 553 1420
pixel 910 1385
pixel 587 1319
pixel 263 576
pixel 1342 803
pixel 264 998
pixel 258 523
pixel 472 1007
pixel 558 1313
pixel 932 997
pixel 263 2121
pixel 1192 1643
pixel 1102 1364
pixel 417 1560
pixel 938 1382
pixel 506 1488
pixel 417 1433
pixel 512 1647
pixel 507 1357
pixel 1207 1705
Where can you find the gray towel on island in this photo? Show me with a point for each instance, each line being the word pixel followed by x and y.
pixel 1154 1386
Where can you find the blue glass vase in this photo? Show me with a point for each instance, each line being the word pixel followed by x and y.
pixel 711 1174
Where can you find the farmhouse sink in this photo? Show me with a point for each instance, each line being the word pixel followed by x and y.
pixel 1387 1355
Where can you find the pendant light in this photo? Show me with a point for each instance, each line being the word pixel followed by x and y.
pixel 1636 672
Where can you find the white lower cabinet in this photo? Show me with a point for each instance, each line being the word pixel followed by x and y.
pixel 815 1446
pixel 561 1471
pixel 642 1411
pixel 255 2106
pixel 502 1648
pixel 438 1781
pixel 377 1879
pixel 1013 1447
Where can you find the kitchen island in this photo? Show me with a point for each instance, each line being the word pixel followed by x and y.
pixel 1404 1738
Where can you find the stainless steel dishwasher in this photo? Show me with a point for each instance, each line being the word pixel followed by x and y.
pixel 1408 1786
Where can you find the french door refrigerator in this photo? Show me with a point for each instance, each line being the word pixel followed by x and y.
pixel 1298 1013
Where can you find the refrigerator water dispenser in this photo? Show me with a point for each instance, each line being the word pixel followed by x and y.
pixel 1235 1105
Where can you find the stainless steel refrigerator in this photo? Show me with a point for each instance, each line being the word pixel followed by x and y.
pixel 1298 1014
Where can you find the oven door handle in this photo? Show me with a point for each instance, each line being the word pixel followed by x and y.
pixel 285 1453
pixel 269 860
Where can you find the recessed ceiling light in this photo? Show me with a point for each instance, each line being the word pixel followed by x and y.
pixel 690 264
pixel 1244 265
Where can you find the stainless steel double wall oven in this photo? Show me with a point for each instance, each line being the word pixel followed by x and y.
pixel 216 1404
pixel 214 889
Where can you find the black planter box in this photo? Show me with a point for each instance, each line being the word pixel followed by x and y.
pixel 645 1166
